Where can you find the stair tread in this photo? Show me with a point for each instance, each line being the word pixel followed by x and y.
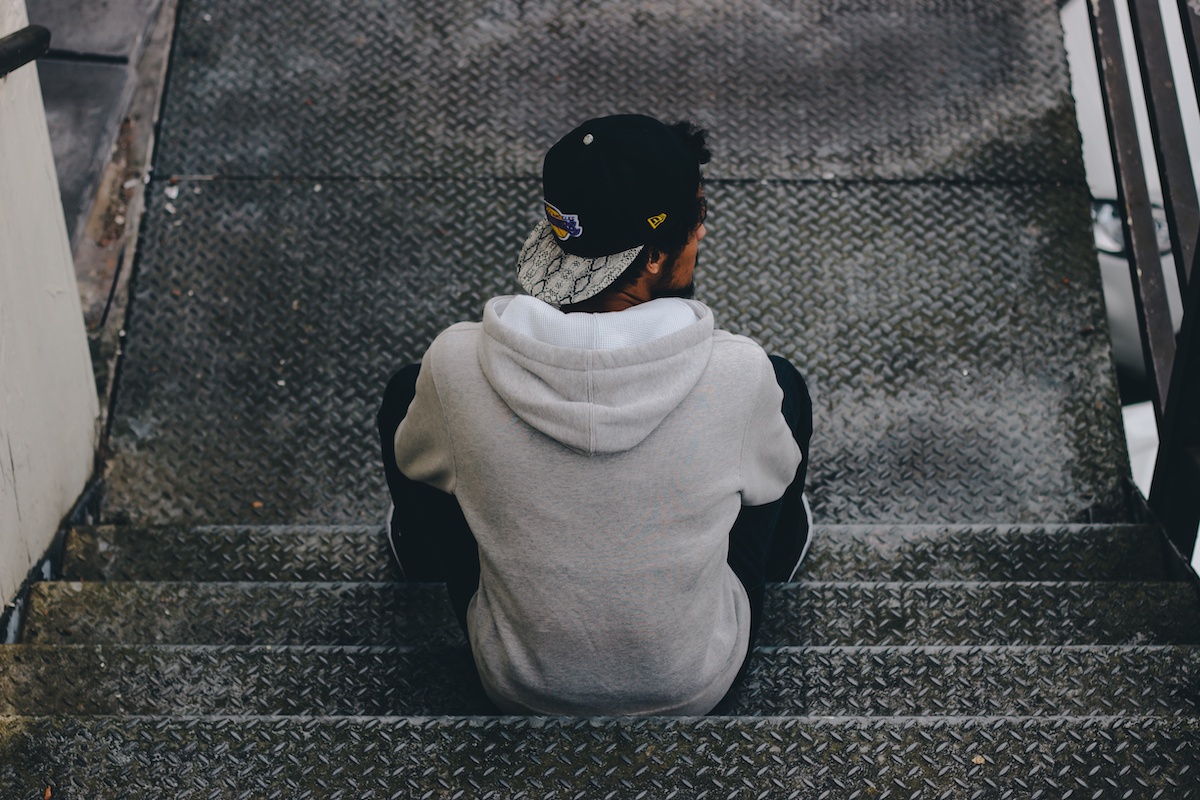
pixel 838 552
pixel 218 757
pixel 954 381
pixel 796 613
pixel 938 401
pixel 793 681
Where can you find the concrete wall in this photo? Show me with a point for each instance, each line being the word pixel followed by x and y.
pixel 48 407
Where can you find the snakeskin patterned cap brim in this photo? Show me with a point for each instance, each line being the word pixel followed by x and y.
pixel 554 276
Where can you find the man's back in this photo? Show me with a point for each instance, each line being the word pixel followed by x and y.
pixel 603 574
pixel 603 481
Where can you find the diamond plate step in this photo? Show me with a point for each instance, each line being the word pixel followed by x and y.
pixel 228 553
pixel 396 614
pixel 801 758
pixel 838 553
pixel 40 680
pixel 820 89
pixel 986 553
pixel 952 336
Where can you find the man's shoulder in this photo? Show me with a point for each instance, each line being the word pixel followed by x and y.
pixel 453 342
pixel 737 346
pixel 741 361
pixel 456 333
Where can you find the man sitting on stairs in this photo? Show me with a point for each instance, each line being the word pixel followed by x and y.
pixel 603 479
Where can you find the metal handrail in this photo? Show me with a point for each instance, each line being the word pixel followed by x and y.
pixel 1166 126
pixel 1172 366
pixel 18 49
pixel 1149 291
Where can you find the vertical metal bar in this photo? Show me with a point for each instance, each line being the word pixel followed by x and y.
pixel 1189 15
pixel 1150 296
pixel 1175 490
pixel 1166 125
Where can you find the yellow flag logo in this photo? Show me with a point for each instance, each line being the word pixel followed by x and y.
pixel 657 220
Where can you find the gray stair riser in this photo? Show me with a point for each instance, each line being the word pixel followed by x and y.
pixel 986 553
pixel 396 614
pixel 841 553
pixel 229 553
pixel 364 759
pixel 156 680
pixel 981 613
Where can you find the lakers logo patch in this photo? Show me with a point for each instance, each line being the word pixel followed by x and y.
pixel 564 225
pixel 657 220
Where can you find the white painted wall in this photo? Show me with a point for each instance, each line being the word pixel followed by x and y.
pixel 48 406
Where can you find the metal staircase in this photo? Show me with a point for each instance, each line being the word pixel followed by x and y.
pixel 897 203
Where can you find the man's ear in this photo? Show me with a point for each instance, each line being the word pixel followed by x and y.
pixel 655 264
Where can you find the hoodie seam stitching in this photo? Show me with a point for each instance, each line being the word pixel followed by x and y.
pixel 745 436
pixel 437 393
pixel 591 408
pixel 591 395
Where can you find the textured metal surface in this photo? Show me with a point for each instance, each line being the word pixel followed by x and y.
pixel 981 613
pixel 341 681
pixel 241 613
pixel 952 336
pixel 160 680
pixel 837 553
pixel 338 759
pixel 906 89
pixel 393 614
pixel 229 553
pixel 970 682
pixel 985 553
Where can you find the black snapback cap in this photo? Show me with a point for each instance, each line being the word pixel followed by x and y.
pixel 608 186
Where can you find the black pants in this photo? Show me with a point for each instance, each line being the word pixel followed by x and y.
pixel 437 545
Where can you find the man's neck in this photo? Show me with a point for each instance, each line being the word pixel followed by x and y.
pixel 605 302
pixel 628 296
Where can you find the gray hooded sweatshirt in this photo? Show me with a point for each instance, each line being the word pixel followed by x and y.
pixel 601 486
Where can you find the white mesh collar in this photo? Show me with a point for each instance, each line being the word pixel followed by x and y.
pixel 605 331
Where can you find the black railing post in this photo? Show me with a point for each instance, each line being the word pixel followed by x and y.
pixel 1190 20
pixel 1150 295
pixel 18 49
pixel 1175 490
pixel 1166 126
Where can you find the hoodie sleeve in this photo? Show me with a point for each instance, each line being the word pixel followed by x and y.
pixel 424 447
pixel 770 455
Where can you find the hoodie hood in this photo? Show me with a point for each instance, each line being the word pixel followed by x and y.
pixel 594 401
